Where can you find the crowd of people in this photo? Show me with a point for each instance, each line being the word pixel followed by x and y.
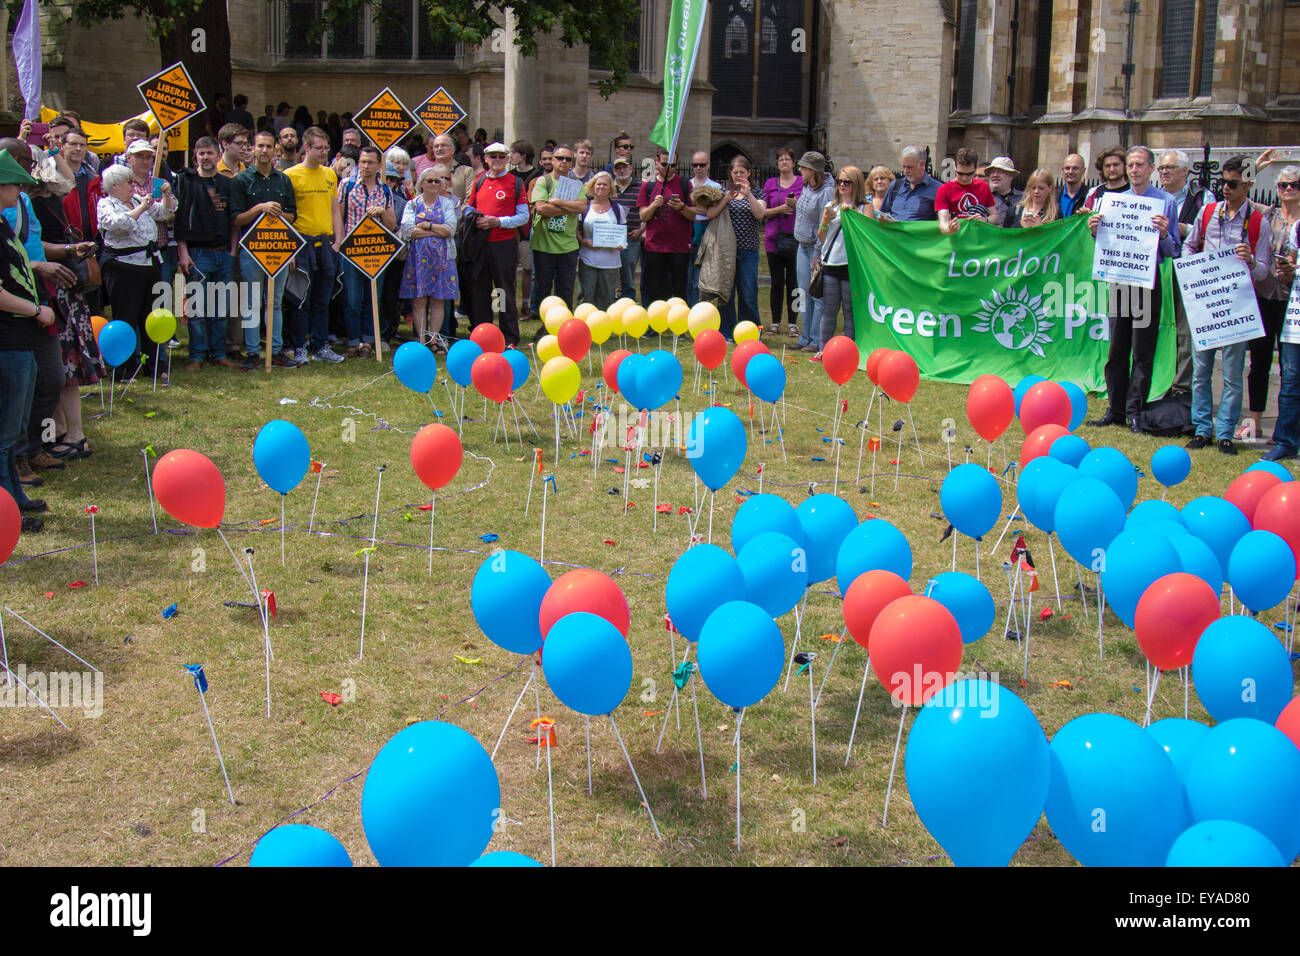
pixel 482 221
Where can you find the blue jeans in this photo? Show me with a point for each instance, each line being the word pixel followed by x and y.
pixel 253 323
pixel 810 325
pixel 208 332
pixel 745 288
pixel 1225 422
pixel 630 258
pixel 17 386
pixel 357 312
pixel 1287 431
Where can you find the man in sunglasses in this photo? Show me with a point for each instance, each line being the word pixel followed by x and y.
pixel 554 236
pixel 700 178
pixel 665 207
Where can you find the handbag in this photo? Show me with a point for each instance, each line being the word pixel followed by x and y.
pixel 85 268
pixel 815 283
pixel 786 244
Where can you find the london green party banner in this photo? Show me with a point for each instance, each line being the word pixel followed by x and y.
pixel 685 26
pixel 1011 302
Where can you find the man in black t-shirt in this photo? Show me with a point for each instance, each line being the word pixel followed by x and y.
pixel 203 237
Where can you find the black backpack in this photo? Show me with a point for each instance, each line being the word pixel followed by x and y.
pixel 1168 416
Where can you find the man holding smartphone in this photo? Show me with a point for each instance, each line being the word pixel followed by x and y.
pixel 203 238
pixel 669 217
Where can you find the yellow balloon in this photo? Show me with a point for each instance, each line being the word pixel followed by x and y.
pixel 658 312
pixel 615 321
pixel 546 304
pixel 746 332
pixel 677 300
pixel 635 321
pixel 548 347
pixel 561 379
pixel 678 316
pixel 601 325
pixel 584 310
pixel 555 317
pixel 704 315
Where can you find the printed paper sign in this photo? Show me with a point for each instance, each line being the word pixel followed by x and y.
pixel 440 112
pixel 1219 298
pixel 272 242
pixel 370 247
pixel 171 95
pixel 1291 324
pixel 1127 243
pixel 567 188
pixel 384 120
pixel 608 235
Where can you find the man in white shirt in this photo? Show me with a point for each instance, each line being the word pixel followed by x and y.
pixel 699 179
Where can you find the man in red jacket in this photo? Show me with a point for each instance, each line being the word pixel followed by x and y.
pixel 503 208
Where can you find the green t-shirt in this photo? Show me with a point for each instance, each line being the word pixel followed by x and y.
pixel 558 234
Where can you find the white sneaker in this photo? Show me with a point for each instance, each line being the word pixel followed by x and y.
pixel 300 355
pixel 326 354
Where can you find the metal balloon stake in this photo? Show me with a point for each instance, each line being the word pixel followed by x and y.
pixel 365 580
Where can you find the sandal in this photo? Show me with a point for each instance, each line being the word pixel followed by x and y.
pixel 1246 429
pixel 70 450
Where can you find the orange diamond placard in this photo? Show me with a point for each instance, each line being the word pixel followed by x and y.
pixel 171 95
pixel 370 247
pixel 385 120
pixel 440 112
pixel 272 242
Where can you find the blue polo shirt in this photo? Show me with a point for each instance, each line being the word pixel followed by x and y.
pixel 908 203
pixel 1067 203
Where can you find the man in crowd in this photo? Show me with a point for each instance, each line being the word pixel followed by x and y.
pixel 582 170
pixel 314 187
pixel 286 149
pixel 78 161
pixel 1135 312
pixel 444 152
pixel 911 197
pixel 1070 194
pixel 699 179
pixel 555 239
pixel 1232 224
pixel 263 189
pixel 203 238
pixel 132 130
pixel 521 164
pixel 626 189
pixel 622 150
pixel 1189 196
pixel 546 158
pixel 365 196
pixel 1002 172
pixel 665 207
pixel 351 137
pixel 234 140
pixel 965 197
pixel 502 207
pixel 240 114
pixel 1114 178
pixel 283 117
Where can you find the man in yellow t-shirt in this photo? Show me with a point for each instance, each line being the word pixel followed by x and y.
pixel 314 187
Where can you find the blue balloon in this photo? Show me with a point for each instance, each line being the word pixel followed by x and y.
pixel 587 663
pixel 1088 515
pixel 1273 467
pixel 1134 561
pixel 1198 559
pixel 460 357
pixel 415 366
pixel 715 445
pixel 1163 528
pixel 296 844
pixel 765 376
pixel 762 513
pixel 505 857
pixel 872 545
pixel 1170 465
pixel 1149 512
pixel 1115 797
pixel 1261 569
pixel 1069 449
pixel 519 371
pixel 741 653
pixel 1179 738
pixel 968 600
pixel 1249 772
pixel 1078 405
pixel 1041 485
pixel 978 769
pixel 431 797
pixel 1217 522
pixel 506 598
pixel 971 498
pixel 117 342
pixel 629 381
pixel 703 579
pixel 658 378
pixel 826 520
pixel 1240 669
pixel 1223 843
pixel 1026 383
pixel 281 455
pixel 776 572
pixel 1113 467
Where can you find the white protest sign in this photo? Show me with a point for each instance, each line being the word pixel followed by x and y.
pixel 1127 243
pixel 567 188
pixel 1219 298
pixel 608 235
pixel 1291 324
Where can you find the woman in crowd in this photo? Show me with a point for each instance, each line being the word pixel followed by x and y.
pixel 818 190
pixel 850 193
pixel 429 279
pixel 881 178
pixel 1274 295
pixel 598 266
pixel 400 160
pixel 1039 203
pixel 781 195
pixel 746 211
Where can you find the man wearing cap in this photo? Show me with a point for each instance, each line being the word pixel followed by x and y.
pixel 1001 173
pixel 555 225
pixel 626 188
pixel 911 197
pixel 502 207
pixel 700 178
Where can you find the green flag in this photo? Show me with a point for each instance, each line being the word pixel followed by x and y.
pixel 685 25
pixel 1010 302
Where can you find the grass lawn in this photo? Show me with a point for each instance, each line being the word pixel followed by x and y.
pixel 141 784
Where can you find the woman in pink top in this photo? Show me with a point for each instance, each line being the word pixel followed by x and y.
pixel 780 193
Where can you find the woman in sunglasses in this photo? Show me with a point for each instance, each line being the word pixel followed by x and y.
pixel 1273 301
pixel 429 279
pixel 850 193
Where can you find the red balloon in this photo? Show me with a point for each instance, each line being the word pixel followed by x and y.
pixel 1279 511
pixel 610 368
pixel 710 348
pixel 840 358
pixel 1171 615
pixel 11 523
pixel 190 488
pixel 741 356
pixel 1289 721
pixel 990 406
pixel 575 339
pixel 915 648
pixel 899 376
pixel 1046 403
pixel 873 364
pixel 436 455
pixel 584 590
pixel 488 337
pixel 1247 490
pixel 1039 443
pixel 492 376
pixel 866 597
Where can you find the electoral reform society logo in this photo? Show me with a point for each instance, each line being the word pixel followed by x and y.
pixel 1018 320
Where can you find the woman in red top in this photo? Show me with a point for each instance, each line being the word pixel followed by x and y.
pixel 780 193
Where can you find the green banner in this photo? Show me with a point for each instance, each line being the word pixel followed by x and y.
pixel 685 25
pixel 1011 302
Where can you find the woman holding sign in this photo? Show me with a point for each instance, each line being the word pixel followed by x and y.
pixel 598 265
pixel 1286 434
pixel 429 225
